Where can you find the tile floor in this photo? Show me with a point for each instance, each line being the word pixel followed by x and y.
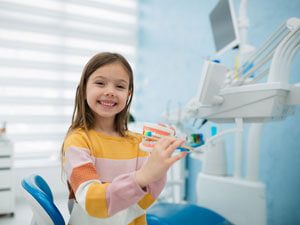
pixel 23 212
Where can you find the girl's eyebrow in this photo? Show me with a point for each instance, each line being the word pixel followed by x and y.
pixel 123 81
pixel 97 77
pixel 102 77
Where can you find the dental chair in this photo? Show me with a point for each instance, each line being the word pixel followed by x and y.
pixel 164 213
pixel 45 212
pixel 40 198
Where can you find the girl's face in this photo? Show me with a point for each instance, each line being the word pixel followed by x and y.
pixel 107 91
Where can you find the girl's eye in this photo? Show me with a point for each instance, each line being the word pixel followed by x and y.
pixel 120 86
pixel 100 83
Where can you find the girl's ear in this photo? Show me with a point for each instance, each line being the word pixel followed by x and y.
pixel 129 94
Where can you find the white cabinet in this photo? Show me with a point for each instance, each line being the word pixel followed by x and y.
pixel 7 199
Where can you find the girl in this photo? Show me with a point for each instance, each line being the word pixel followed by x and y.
pixel 110 180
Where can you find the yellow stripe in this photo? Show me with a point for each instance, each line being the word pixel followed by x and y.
pixel 146 201
pixel 119 147
pixel 77 138
pixel 139 221
pixel 118 150
pixel 95 203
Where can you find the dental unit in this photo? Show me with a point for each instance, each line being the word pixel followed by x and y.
pixel 234 96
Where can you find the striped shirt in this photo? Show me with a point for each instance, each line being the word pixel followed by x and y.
pixel 101 178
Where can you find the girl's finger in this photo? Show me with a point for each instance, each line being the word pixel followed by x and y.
pixel 171 148
pixel 164 142
pixel 178 157
pixel 172 128
pixel 162 124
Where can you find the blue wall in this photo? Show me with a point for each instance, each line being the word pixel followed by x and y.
pixel 174 40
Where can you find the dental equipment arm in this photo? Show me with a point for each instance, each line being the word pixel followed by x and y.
pixel 281 47
pixel 226 94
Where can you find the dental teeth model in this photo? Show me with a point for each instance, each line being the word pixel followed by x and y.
pixel 152 133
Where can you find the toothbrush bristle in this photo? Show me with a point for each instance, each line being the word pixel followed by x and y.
pixel 147 133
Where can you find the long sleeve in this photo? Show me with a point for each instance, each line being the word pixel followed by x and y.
pixel 101 173
pixel 97 198
pixel 154 189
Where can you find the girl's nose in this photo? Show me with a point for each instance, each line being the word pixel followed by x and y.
pixel 109 91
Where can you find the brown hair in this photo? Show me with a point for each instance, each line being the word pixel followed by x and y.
pixel 83 116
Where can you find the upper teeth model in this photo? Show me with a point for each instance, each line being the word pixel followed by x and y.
pixel 151 133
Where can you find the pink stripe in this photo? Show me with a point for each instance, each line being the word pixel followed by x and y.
pixel 156 187
pixel 108 169
pixel 122 193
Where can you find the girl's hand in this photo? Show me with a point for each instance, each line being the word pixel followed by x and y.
pixel 160 160
pixel 164 125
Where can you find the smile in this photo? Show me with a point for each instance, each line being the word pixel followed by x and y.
pixel 109 104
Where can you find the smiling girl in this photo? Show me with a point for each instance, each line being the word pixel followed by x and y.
pixel 110 180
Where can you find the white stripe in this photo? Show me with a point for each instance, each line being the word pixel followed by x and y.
pixel 124 217
pixel 79 215
pixel 82 190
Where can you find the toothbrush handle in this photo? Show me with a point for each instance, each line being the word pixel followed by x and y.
pixel 185 148
pixel 181 147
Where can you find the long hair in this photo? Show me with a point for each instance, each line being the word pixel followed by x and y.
pixel 83 116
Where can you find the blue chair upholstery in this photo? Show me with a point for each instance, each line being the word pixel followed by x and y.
pixel 178 214
pixel 40 197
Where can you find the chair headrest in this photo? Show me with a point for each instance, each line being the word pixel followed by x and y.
pixel 38 188
pixel 33 183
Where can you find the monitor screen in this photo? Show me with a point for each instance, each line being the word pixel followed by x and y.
pixel 224 26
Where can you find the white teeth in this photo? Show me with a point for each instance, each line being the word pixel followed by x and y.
pixel 107 104
pixel 149 142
